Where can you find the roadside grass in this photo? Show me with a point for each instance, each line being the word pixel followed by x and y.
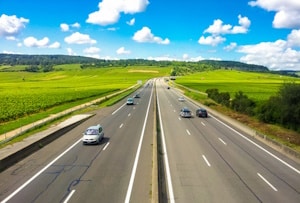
pixel 28 97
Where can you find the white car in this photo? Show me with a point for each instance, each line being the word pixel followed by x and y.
pixel 93 135
pixel 181 99
pixel 130 101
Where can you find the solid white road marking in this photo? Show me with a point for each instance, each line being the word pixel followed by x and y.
pixel 121 125
pixel 69 196
pixel 165 156
pixel 202 123
pixel 129 114
pixel 206 160
pixel 267 182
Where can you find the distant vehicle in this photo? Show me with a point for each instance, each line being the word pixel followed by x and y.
pixel 93 135
pixel 201 112
pixel 185 112
pixel 137 95
pixel 130 101
pixel 181 99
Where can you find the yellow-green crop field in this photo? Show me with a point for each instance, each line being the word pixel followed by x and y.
pixel 257 86
pixel 24 93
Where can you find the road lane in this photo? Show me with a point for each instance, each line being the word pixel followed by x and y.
pixel 217 164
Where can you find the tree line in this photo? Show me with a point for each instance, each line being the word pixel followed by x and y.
pixel 282 109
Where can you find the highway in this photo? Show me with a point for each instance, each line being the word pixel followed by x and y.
pixel 205 160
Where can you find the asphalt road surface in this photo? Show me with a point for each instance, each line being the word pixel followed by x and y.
pixel 205 160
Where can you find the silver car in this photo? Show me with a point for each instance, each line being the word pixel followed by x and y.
pixel 185 112
pixel 93 135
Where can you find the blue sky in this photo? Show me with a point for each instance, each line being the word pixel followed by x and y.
pixel 264 32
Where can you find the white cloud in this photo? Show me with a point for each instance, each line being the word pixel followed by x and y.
pixel 122 50
pixel 211 40
pixel 11 38
pixel 42 43
pixel 64 27
pixel 294 38
pixel 287 12
pixel 33 42
pixel 131 22
pixel 75 25
pixel 71 52
pixel 185 56
pixel 231 46
pixel 78 38
pixel 91 50
pixel 145 35
pixel 274 55
pixel 55 45
pixel 109 11
pixel 218 28
pixel 11 25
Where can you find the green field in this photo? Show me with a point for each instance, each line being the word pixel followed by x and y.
pixel 257 86
pixel 23 94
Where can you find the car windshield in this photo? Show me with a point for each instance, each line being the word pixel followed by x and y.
pixel 91 132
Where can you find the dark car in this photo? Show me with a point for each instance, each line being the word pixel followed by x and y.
pixel 185 112
pixel 137 95
pixel 201 113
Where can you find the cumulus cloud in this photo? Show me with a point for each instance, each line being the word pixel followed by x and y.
pixel 78 38
pixel 218 28
pixel 231 46
pixel 91 50
pixel 75 25
pixel 33 42
pixel 294 38
pixel 274 55
pixel 211 40
pixel 65 27
pixel 55 45
pixel 122 50
pixel 71 52
pixel 144 35
pixel 287 12
pixel 11 25
pixel 109 11
pixel 42 43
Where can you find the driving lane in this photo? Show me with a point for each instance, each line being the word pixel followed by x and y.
pixel 117 170
pixel 209 161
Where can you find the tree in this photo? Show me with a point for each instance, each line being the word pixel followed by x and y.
pixel 243 104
